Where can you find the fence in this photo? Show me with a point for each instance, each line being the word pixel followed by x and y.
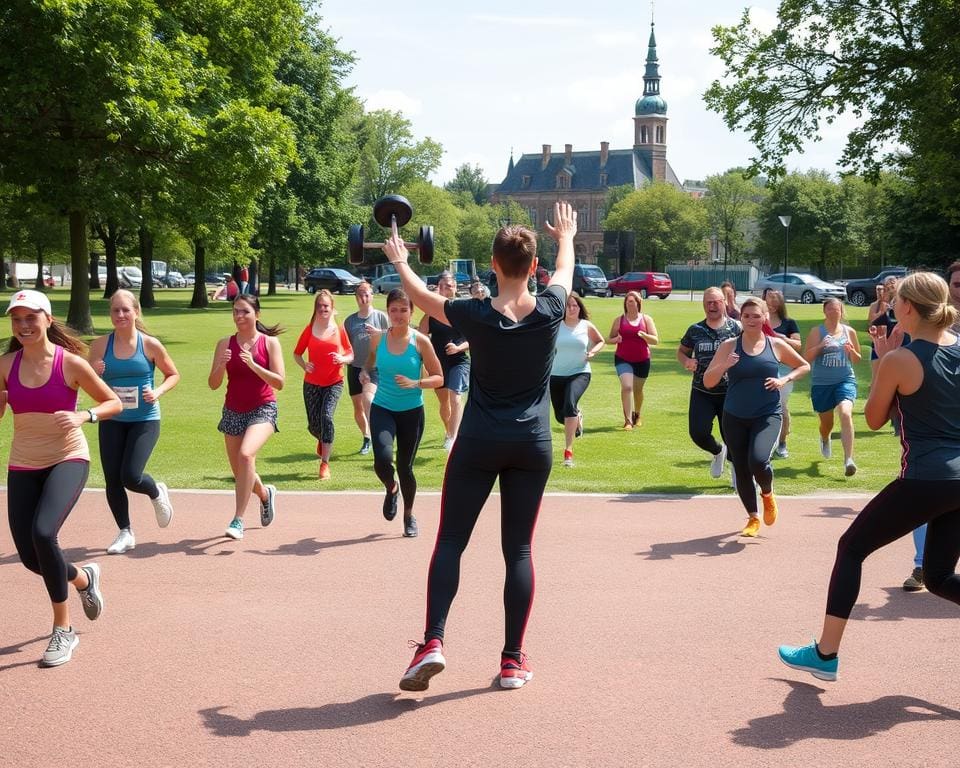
pixel 695 278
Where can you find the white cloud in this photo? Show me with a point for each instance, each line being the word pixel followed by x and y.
pixel 396 101
pixel 529 21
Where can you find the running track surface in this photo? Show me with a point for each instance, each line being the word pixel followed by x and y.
pixel 653 641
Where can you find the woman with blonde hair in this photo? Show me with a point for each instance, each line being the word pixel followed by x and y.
pixel 633 333
pixel 920 385
pixel 328 348
pixel 126 360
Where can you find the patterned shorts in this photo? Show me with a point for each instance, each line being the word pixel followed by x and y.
pixel 235 424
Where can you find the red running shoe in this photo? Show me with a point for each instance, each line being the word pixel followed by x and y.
pixel 513 673
pixel 427 662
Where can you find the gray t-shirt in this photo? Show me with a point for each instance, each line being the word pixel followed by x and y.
pixel 359 336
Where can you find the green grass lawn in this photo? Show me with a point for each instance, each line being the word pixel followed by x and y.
pixel 657 458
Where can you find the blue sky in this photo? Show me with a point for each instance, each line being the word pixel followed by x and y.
pixel 484 78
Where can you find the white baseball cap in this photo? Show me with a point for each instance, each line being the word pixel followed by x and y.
pixel 31 300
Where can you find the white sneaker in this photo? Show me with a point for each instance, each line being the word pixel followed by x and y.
pixel 162 507
pixel 849 468
pixel 448 444
pixel 235 529
pixel 716 464
pixel 124 542
pixel 826 448
pixel 781 451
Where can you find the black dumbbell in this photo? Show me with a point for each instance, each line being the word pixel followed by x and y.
pixel 390 212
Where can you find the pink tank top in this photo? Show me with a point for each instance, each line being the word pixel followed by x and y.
pixel 50 397
pixel 245 390
pixel 632 348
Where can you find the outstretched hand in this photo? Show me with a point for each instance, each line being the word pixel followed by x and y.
pixel 565 222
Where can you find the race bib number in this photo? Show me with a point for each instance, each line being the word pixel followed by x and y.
pixel 129 397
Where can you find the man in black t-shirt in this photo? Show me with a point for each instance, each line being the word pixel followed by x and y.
pixel 505 432
pixel 695 353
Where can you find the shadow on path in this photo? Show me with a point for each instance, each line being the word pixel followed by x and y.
pixel 848 512
pixel 142 551
pixel 306 547
pixel 901 606
pixel 708 546
pixel 375 708
pixel 805 716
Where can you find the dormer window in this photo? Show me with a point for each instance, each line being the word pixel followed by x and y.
pixel 525 182
pixel 563 181
pixel 603 179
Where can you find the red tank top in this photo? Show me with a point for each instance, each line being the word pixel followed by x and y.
pixel 632 348
pixel 245 390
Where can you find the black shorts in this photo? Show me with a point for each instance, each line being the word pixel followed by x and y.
pixel 640 370
pixel 354 387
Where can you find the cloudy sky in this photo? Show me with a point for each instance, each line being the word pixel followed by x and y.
pixel 483 79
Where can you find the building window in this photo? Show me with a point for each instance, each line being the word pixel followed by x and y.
pixel 525 182
pixel 563 181
pixel 583 218
pixel 532 213
pixel 643 134
pixel 659 134
pixel 603 179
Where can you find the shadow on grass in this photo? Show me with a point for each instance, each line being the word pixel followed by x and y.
pixel 708 546
pixel 306 547
pixel 805 716
pixel 375 708
pixel 901 606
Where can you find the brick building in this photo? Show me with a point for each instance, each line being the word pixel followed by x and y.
pixel 584 178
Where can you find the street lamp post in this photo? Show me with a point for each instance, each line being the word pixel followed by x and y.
pixel 785 220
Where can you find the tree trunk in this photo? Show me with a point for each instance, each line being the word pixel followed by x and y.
pixel 14 281
pixel 38 284
pixel 109 236
pixel 147 300
pixel 78 314
pixel 272 279
pixel 199 299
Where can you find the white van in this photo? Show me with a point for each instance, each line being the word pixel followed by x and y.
pixel 27 274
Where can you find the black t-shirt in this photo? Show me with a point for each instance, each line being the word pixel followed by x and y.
pixel 787 326
pixel 440 335
pixel 510 367
pixel 703 341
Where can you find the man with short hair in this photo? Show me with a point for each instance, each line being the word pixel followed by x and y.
pixel 695 353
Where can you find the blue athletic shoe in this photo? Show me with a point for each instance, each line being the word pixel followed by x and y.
pixel 807 659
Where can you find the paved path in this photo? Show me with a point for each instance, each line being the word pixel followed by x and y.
pixel 653 642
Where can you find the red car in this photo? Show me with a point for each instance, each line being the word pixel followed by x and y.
pixel 645 283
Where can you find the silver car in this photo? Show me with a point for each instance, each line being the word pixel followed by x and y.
pixel 800 286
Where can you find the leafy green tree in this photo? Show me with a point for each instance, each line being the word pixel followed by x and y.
pixel 731 207
pixel 668 223
pixel 34 231
pixel 614 196
pixel 916 232
pixel 471 180
pixel 479 225
pixel 390 157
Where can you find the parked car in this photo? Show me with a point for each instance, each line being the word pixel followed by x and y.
pixel 174 280
pixel 462 278
pixel 387 283
pixel 860 293
pixel 129 277
pixel 646 284
pixel 333 279
pixel 190 278
pixel 800 286
pixel 589 280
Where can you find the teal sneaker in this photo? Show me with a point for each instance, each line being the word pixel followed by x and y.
pixel 235 529
pixel 807 659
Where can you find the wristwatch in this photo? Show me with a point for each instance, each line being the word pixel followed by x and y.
pixel 93 415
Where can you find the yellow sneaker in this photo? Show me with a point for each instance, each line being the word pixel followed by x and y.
pixel 769 508
pixel 752 528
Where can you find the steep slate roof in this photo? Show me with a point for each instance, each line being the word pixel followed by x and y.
pixel 624 166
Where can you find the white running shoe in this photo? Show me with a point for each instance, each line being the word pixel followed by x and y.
pixel 716 464
pixel 124 542
pixel 826 448
pixel 849 468
pixel 162 506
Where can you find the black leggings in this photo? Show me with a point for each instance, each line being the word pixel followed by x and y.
pixel 320 403
pixel 38 503
pixel 750 443
pixel 406 427
pixel 703 410
pixel 565 394
pixel 125 448
pixel 894 512
pixel 472 469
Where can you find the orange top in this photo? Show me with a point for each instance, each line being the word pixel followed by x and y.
pixel 320 352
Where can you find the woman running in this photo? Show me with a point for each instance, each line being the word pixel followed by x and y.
pixel 751 409
pixel 358 327
pixel 832 348
pixel 633 333
pixel 505 432
pixel 920 384
pixel 451 349
pixel 578 341
pixel 328 348
pixel 126 360
pixel 787 329
pixel 400 354
pixel 49 460
pixel 252 361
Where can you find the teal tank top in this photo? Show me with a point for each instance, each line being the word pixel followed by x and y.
pixel 408 363
pixel 128 378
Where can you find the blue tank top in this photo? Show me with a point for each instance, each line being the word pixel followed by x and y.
pixel 930 417
pixel 128 377
pixel 746 396
pixel 408 363
pixel 832 365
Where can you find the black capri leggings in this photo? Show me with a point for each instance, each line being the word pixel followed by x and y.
pixel 406 427
pixel 703 410
pixel 565 394
pixel 320 403
pixel 899 508
pixel 38 503
pixel 125 448
pixel 750 443
pixel 472 469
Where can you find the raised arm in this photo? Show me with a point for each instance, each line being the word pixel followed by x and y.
pixel 562 231
pixel 430 302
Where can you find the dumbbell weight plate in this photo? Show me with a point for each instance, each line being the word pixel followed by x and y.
pixel 392 205
pixel 425 241
pixel 355 243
